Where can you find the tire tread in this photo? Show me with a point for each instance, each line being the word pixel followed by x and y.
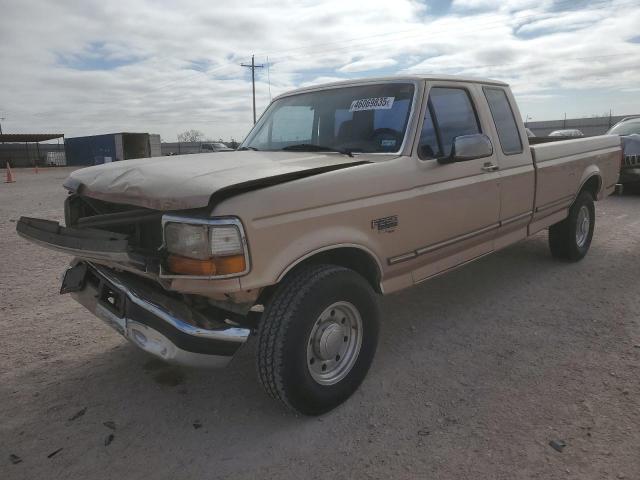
pixel 562 235
pixel 276 321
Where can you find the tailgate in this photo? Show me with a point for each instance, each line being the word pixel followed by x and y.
pixel 86 242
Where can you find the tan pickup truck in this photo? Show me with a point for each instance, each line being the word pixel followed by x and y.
pixel 339 193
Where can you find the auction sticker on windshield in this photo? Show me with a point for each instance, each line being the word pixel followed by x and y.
pixel 379 103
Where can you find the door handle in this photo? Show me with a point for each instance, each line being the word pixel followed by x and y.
pixel 490 167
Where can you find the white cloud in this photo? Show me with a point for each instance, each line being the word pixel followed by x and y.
pixel 367 64
pixel 561 21
pixel 179 61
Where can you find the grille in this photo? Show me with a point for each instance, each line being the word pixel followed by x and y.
pixel 631 160
pixel 142 226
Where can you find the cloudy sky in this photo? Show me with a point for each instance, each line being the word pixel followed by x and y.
pixel 95 66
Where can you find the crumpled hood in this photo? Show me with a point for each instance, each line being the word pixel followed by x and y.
pixel 188 181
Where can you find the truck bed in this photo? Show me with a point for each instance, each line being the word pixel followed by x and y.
pixel 563 167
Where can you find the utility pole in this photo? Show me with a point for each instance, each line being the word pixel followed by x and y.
pixel 1 119
pixel 253 67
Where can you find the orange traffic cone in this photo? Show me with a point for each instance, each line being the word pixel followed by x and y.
pixel 9 178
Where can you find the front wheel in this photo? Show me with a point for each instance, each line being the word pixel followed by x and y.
pixel 570 239
pixel 317 338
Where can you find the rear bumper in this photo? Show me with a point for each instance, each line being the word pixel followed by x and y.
pixel 153 321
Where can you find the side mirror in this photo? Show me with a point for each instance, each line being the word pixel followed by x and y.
pixel 469 147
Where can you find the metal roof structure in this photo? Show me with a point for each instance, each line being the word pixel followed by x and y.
pixel 29 137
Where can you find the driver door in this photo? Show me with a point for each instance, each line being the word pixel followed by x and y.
pixel 457 204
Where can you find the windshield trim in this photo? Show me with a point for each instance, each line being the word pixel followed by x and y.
pixel 361 83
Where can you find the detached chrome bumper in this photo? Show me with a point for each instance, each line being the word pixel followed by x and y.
pixel 155 322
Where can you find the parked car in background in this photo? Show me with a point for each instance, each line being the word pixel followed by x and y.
pixel 214 147
pixel 340 192
pixel 629 130
pixel 56 159
pixel 626 126
pixel 571 132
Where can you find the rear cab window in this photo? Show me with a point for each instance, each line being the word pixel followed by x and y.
pixel 450 113
pixel 504 120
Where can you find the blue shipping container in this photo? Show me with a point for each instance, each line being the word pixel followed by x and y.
pixel 91 150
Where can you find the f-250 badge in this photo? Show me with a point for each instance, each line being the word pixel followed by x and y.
pixel 385 224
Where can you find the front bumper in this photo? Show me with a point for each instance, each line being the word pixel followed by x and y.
pixel 152 320
pixel 87 243
pixel 630 175
pixel 630 171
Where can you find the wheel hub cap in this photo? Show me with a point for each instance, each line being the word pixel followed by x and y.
pixel 583 223
pixel 330 341
pixel 334 343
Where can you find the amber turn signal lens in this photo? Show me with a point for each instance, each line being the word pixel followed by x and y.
pixel 191 266
pixel 206 268
pixel 230 264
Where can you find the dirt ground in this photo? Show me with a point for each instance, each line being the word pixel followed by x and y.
pixel 476 372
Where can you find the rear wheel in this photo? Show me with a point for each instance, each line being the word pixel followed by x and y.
pixel 317 338
pixel 570 239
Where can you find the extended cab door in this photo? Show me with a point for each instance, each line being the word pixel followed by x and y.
pixel 517 173
pixel 457 204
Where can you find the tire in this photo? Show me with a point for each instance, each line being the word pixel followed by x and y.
pixel 571 238
pixel 318 313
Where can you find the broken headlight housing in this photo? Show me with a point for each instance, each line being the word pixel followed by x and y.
pixel 204 247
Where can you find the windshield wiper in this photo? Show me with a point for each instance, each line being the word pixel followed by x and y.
pixel 310 147
pixel 248 148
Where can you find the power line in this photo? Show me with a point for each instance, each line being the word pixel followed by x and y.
pixel 253 67
pixel 483 26
pixel 424 30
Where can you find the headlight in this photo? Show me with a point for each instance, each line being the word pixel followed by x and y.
pixel 213 247
pixel 187 240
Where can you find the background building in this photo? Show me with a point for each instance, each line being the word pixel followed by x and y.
pixel 25 149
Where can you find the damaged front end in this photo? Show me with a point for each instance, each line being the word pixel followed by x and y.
pixel 103 231
pixel 123 274
pixel 153 320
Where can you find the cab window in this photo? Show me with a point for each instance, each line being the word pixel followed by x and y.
pixel 429 143
pixel 504 121
pixel 449 114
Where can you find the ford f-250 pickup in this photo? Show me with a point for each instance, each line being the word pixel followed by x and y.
pixel 339 192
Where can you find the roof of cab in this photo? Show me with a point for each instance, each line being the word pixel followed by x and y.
pixel 394 78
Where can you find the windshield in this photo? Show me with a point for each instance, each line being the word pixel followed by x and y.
pixel 625 128
pixel 366 118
